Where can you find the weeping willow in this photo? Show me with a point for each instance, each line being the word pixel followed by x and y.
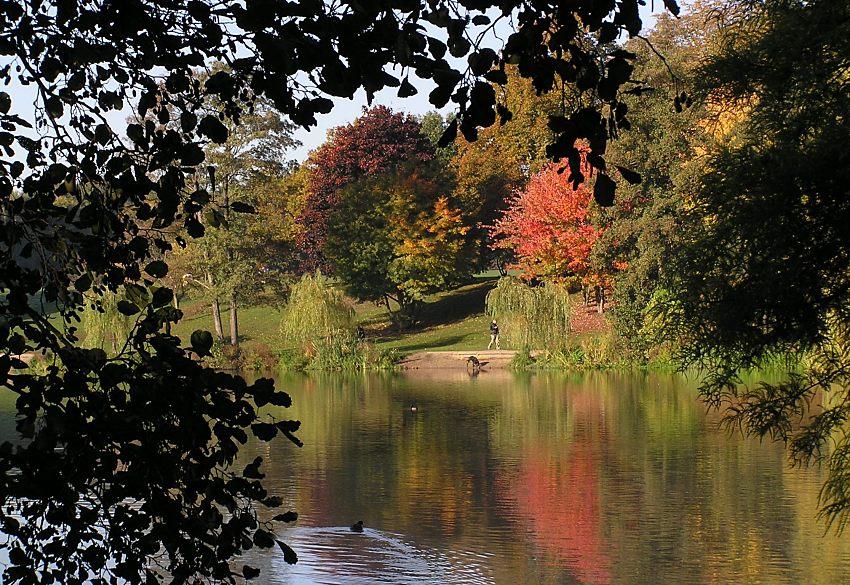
pixel 316 312
pixel 102 325
pixel 535 317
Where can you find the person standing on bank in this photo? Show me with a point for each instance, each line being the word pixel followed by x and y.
pixel 494 335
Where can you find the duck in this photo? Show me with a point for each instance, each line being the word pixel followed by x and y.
pixel 357 527
pixel 413 407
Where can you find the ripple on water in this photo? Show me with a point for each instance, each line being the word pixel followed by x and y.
pixel 334 555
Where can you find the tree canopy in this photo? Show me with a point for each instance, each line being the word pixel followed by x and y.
pixel 763 268
pixel 645 226
pixel 377 142
pixel 397 237
pixel 548 227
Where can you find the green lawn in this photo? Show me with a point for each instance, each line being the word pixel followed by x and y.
pixel 256 324
pixel 454 320
pixel 450 321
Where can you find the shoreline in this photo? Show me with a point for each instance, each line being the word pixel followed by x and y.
pixel 459 360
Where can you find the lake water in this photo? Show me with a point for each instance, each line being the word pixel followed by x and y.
pixel 512 478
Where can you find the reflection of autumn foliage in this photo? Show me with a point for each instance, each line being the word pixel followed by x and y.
pixel 557 495
pixel 562 509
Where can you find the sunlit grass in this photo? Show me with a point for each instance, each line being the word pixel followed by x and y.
pixel 453 320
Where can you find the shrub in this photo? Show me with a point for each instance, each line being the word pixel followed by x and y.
pixel 345 352
pixel 224 356
pixel 522 360
pixel 316 314
pixel 562 359
pixel 40 363
pixel 531 316
pixel 258 357
pixel 293 359
pixel 599 351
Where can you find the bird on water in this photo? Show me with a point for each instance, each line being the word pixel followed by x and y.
pixel 357 527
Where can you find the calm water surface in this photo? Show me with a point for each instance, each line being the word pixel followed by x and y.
pixel 506 478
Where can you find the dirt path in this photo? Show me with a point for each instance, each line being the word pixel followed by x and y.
pixel 496 359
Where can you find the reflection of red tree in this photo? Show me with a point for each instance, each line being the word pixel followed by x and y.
pixel 562 509
pixel 558 496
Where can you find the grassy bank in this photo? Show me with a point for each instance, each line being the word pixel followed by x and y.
pixel 449 321
pixel 453 320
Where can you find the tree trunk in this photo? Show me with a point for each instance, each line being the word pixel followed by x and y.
pixel 216 312
pixel 600 296
pixel 234 323
pixel 234 318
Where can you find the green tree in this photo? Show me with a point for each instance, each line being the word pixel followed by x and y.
pixel 254 153
pixel 316 311
pixel 103 325
pixel 433 124
pixel 644 227
pixel 765 269
pixel 246 183
pixel 395 238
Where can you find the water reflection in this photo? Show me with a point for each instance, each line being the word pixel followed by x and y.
pixel 503 478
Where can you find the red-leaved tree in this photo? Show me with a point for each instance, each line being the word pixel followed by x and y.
pixel 548 228
pixel 374 144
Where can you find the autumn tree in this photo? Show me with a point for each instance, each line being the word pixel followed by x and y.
pixel 278 201
pixel 548 228
pixel 395 238
pixel 377 142
pixel 502 160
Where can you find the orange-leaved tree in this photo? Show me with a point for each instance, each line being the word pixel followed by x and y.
pixel 548 226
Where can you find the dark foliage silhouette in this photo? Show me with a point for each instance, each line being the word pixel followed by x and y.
pixel 764 267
